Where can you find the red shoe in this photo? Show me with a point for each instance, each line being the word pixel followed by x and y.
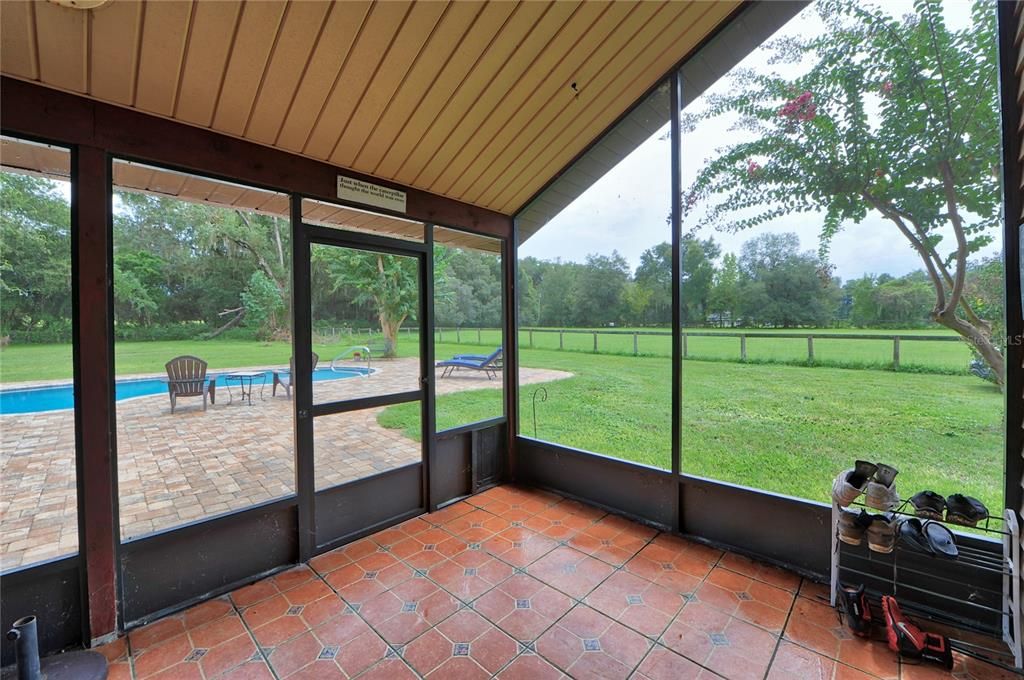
pixel 908 640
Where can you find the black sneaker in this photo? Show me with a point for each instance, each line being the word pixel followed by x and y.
pixel 928 504
pixel 965 510
pixel 856 613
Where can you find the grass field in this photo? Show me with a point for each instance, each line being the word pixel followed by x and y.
pixel 50 362
pixel 783 428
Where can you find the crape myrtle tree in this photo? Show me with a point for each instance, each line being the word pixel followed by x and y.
pixel 895 117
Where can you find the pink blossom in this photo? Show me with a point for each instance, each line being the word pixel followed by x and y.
pixel 753 168
pixel 801 108
pixel 887 87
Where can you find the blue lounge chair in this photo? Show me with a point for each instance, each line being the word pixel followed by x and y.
pixel 489 364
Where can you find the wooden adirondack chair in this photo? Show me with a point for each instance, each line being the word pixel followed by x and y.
pixel 284 378
pixel 186 377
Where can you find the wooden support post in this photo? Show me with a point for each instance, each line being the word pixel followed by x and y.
pixel 743 347
pixel 810 349
pixel 896 353
pixel 595 342
pixel 96 466
pixel 531 339
pixel 636 344
pixel 458 336
pixel 684 346
pixel 478 340
pixel 561 339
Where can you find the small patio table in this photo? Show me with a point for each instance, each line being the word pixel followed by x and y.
pixel 245 381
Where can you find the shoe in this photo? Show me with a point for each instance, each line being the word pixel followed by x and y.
pixel 929 537
pixel 881 534
pixel 909 641
pixel 928 504
pixel 851 483
pixel 852 526
pixel 965 510
pixel 856 612
pixel 880 492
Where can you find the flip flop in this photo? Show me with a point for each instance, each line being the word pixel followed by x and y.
pixel 941 540
pixel 930 538
pixel 912 535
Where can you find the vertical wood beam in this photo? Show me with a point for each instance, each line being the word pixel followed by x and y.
pixel 93 317
pixel 302 383
pixel 510 344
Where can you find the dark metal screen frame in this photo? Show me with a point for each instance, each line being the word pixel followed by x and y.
pixel 304 236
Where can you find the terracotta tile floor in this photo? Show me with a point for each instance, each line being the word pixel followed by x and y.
pixel 478 591
pixel 183 467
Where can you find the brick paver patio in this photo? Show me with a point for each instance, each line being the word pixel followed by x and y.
pixel 175 469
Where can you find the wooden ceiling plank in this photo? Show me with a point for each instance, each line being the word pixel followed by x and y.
pixel 164 34
pixel 325 66
pixel 527 55
pixel 422 76
pixel 467 93
pixel 419 26
pixel 548 76
pixel 374 39
pixel 595 78
pixel 467 54
pixel 284 71
pixel 661 52
pixel 62 41
pixel 115 33
pixel 212 31
pixel 608 34
pixel 257 34
pixel 18 52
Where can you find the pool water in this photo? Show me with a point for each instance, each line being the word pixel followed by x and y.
pixel 58 397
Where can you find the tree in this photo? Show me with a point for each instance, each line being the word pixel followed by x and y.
pixel 389 282
pixel 654 276
pixel 896 117
pixel 725 292
pixel 782 287
pixel 35 257
pixel 698 276
pixel 598 290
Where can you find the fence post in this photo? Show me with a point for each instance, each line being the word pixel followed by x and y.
pixel 531 338
pixel 684 346
pixel 561 336
pixel 636 344
pixel 743 346
pixel 440 334
pixel 458 336
pixel 896 353
pixel 478 341
pixel 595 342
pixel 810 349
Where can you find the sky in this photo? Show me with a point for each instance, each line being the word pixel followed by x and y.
pixel 626 210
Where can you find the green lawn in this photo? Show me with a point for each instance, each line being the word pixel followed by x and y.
pixel 783 428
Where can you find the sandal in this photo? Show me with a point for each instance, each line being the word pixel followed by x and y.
pixel 929 537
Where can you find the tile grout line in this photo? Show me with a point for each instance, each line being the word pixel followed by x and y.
pixel 251 634
pixel 782 633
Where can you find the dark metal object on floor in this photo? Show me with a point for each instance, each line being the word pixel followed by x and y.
pixel 67 666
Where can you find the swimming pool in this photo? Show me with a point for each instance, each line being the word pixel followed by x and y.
pixel 57 397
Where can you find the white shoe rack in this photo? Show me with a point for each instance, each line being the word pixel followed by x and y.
pixel 1008 565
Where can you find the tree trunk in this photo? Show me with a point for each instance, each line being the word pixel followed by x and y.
pixel 390 327
pixel 239 313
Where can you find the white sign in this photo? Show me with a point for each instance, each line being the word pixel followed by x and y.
pixel 371 194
